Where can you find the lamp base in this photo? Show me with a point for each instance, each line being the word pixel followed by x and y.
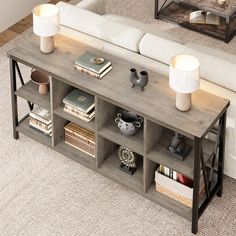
pixel 183 101
pixel 46 44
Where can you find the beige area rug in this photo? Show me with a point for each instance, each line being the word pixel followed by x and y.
pixel 45 193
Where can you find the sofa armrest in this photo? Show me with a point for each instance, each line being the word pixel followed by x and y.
pixel 96 6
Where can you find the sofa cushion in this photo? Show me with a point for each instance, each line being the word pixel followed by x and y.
pixel 100 27
pixel 146 28
pixel 215 66
pixel 160 49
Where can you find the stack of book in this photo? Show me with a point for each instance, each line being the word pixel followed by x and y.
pixel 168 172
pixel 80 138
pixel 40 120
pixel 80 104
pixel 90 64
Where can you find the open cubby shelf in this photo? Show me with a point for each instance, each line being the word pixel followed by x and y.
pixel 111 131
pixel 113 93
pixel 88 125
pixel 161 155
pixel 110 168
pixel 25 129
pixel 30 92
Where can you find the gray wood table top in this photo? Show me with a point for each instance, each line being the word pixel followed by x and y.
pixel 156 103
pixel 213 7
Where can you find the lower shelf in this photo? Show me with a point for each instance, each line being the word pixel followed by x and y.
pixel 75 154
pixel 110 169
pixel 62 148
pixel 169 203
pixel 25 129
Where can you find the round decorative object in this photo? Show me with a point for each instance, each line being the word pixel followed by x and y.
pixel 127 157
pixel 97 60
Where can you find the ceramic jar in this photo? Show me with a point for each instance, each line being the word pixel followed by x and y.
pixel 128 122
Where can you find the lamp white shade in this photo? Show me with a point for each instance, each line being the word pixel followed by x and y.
pixel 184 73
pixel 46 20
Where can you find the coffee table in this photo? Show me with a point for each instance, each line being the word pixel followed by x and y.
pixel 178 11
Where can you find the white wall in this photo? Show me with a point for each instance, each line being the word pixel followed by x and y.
pixel 12 11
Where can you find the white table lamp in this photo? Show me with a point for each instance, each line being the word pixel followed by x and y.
pixel 184 78
pixel 46 25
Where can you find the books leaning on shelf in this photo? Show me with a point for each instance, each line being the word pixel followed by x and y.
pixel 40 120
pixel 80 138
pixel 176 186
pixel 201 17
pixel 80 104
pixel 86 63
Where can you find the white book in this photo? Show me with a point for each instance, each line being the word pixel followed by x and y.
pixel 201 17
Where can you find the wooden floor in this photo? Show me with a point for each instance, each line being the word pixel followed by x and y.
pixel 19 27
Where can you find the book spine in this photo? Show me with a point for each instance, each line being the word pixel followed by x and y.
pixel 39 123
pixel 39 118
pixel 78 130
pixel 48 131
pixel 81 135
pixel 77 115
pixel 79 143
pixel 86 71
pixel 83 140
pixel 76 111
pixel 80 147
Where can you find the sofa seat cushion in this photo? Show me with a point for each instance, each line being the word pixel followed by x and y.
pixel 159 48
pixel 98 26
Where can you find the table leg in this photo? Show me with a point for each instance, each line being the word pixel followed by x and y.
pixel 195 209
pixel 14 98
pixel 221 154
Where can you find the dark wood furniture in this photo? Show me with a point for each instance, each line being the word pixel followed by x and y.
pixel 178 11
pixel 156 105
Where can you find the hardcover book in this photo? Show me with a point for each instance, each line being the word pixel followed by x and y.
pixel 90 114
pixel 80 100
pixel 86 61
pixel 41 115
pixel 87 119
pixel 79 131
pixel 89 72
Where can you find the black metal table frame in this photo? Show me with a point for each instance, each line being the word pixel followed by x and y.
pixel 228 35
pixel 217 189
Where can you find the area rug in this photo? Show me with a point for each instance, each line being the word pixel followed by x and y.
pixel 45 193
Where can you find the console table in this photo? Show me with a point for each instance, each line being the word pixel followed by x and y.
pixel 156 105
pixel 178 11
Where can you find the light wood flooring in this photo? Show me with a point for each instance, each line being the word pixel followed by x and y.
pixel 19 27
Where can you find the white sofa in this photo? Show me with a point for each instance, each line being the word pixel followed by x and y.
pixel 142 44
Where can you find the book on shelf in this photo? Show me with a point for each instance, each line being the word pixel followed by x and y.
pixel 43 131
pixel 88 115
pixel 94 74
pixel 41 115
pixel 201 17
pixel 79 145
pixel 79 114
pixel 86 61
pixel 80 138
pixel 81 132
pixel 80 100
pixel 39 123
pixel 168 172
